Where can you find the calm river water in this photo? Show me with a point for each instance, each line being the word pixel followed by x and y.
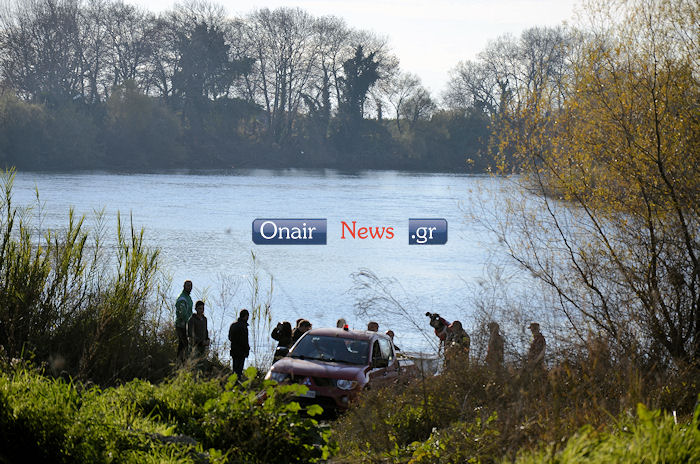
pixel 202 224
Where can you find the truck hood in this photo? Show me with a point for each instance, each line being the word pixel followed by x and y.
pixel 313 368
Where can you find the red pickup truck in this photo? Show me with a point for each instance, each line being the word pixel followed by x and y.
pixel 337 364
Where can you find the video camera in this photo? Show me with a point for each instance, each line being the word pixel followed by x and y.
pixel 436 322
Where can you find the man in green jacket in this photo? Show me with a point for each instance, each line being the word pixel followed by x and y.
pixel 183 312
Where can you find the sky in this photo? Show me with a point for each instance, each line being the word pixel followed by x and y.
pixel 428 36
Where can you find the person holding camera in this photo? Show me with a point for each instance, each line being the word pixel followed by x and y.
pixel 283 334
pixel 440 325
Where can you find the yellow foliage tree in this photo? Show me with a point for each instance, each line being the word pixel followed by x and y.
pixel 622 151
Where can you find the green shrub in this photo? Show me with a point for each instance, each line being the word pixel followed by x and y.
pixel 35 417
pixel 471 413
pixel 652 437
pixel 90 310
pixel 272 431
pixel 476 441
pixel 184 419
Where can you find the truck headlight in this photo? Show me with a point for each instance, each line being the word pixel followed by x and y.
pixel 346 384
pixel 276 376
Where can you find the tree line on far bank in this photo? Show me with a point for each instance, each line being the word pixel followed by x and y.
pixel 102 84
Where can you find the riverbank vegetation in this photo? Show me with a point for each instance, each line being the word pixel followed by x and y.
pixel 89 308
pixel 604 138
pixel 584 407
pixel 185 419
pixel 605 224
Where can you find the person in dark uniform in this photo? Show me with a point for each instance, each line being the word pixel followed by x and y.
pixel 494 353
pixel 238 336
pixel 457 343
pixel 197 331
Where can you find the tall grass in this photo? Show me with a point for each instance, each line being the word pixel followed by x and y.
pixel 472 414
pixel 88 308
pixel 651 437
pixel 260 316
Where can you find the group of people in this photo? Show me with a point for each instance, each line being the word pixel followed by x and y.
pixel 286 337
pixel 193 336
pixel 191 328
pixel 535 354
pixel 193 333
pixel 457 343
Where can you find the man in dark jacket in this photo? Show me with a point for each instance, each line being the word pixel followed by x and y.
pixel 238 336
pixel 197 330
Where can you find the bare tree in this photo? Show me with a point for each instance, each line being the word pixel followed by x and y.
pixel 419 106
pixel 285 51
pixel 332 37
pixel 131 35
pixel 40 49
pixel 403 88
pixel 507 71
pixel 94 48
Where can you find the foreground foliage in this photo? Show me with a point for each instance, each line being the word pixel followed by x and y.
pixel 472 414
pixel 70 298
pixel 184 419
pixel 651 437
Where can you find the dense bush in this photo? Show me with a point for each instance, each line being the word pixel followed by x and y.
pixel 652 437
pixel 142 127
pixel 471 413
pixel 185 419
pixel 66 298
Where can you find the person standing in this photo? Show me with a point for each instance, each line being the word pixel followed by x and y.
pixel 535 355
pixel 238 336
pixel 494 353
pixel 197 330
pixel 183 312
pixel 390 334
pixel 283 334
pixel 303 327
pixel 457 343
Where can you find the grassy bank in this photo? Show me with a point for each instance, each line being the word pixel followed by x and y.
pixel 184 419
pixel 191 419
pixel 581 408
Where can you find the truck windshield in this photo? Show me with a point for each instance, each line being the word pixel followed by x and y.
pixel 333 349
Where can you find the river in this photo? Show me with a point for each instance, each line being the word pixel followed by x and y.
pixel 201 221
